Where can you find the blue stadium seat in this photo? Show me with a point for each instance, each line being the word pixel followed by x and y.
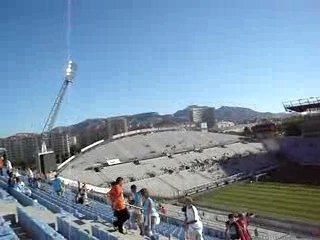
pixel 6 232
pixel 101 234
pixel 36 228
pixel 103 211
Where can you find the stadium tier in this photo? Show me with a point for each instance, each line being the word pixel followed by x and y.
pixel 170 164
pixel 48 216
pixel 45 215
pixel 302 105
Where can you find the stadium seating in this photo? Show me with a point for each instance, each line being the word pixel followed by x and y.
pixel 305 151
pixel 75 221
pixel 37 229
pixel 98 210
pixel 6 232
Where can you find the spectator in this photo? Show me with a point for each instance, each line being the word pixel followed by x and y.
pixel 118 204
pixel 82 196
pixel 9 167
pixel 163 210
pixel 11 180
pixel 232 228
pixel 20 187
pixel 192 221
pixel 151 216
pixel 136 200
pixel 57 185
pixel 78 192
pixel 243 222
pixel 37 180
pixel 30 176
pixel 16 172
pixel 184 210
pixel 1 165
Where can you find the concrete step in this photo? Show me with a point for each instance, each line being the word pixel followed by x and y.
pixel 20 232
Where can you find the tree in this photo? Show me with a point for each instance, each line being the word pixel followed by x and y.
pixel 247 131
pixel 74 149
pixel 293 126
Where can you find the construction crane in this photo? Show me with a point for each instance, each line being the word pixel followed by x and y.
pixel 69 77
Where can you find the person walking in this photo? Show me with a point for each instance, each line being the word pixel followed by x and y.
pixel 243 222
pixel 192 221
pixel 9 167
pixel 118 204
pixel 151 216
pixel 57 185
pixel 30 176
pixel 136 201
pixel 1 165
pixel 82 197
pixel 232 228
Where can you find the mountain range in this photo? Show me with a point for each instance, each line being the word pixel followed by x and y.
pixel 234 114
pixel 95 129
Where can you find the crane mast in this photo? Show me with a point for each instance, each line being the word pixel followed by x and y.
pixel 49 124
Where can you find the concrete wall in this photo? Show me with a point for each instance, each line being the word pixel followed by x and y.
pixel 304 229
pixel 305 151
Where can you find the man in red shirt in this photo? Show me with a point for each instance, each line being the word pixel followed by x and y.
pixel 118 204
pixel 243 222
pixel 1 165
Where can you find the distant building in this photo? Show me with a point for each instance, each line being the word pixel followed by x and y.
pixel 116 126
pixel 73 140
pixel 200 115
pixel 21 147
pixel 60 143
pixel 225 124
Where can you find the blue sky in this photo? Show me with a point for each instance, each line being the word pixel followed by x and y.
pixel 151 55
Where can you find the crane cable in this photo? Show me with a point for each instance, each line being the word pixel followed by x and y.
pixel 68 44
pixel 68 34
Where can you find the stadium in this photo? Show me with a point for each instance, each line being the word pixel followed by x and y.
pixel 275 177
pixel 215 168
pixel 168 175
pixel 172 163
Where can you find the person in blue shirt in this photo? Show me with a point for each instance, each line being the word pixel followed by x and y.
pixel 136 200
pixel 57 185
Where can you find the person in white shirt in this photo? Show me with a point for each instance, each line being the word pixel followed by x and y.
pixel 20 187
pixel 192 221
pixel 16 173
pixel 30 176
pixel 8 166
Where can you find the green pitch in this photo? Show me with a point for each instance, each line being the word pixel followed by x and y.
pixel 285 201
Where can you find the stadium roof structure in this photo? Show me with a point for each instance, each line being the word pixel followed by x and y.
pixel 303 105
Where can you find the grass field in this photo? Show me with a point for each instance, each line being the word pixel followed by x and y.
pixel 285 201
